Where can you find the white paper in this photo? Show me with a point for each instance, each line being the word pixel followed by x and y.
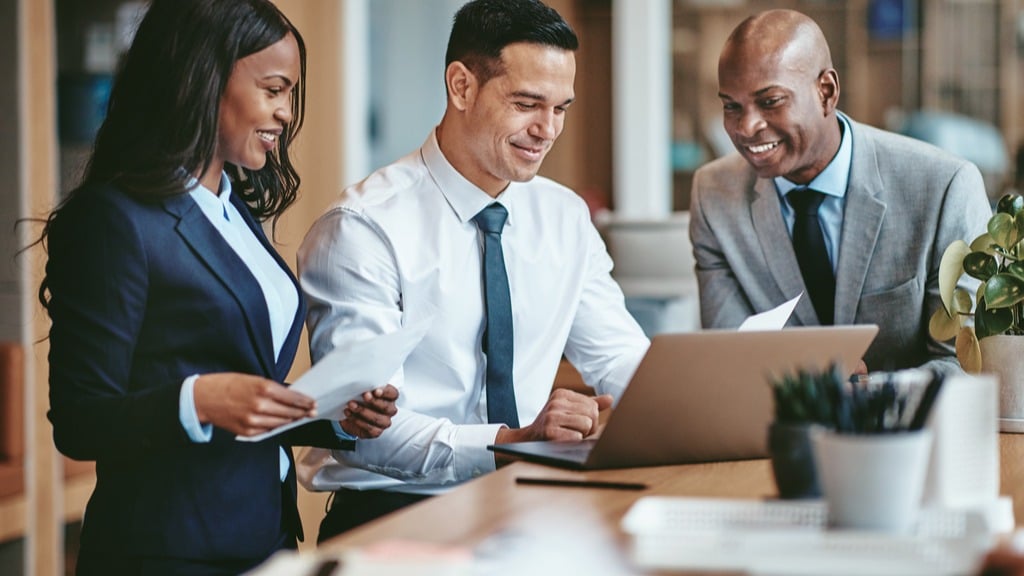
pixel 774 319
pixel 349 370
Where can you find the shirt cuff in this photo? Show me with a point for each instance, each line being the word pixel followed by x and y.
pixel 197 432
pixel 471 456
pixel 340 432
pixel 283 464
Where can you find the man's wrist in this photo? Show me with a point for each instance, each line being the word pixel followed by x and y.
pixel 505 435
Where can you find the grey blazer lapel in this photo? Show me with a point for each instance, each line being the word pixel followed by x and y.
pixel 777 247
pixel 222 262
pixel 862 221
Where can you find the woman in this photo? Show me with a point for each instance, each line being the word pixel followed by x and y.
pixel 173 319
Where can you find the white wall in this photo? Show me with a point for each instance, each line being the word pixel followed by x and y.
pixel 407 97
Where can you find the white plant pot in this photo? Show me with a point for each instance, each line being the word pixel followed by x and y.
pixel 872 482
pixel 1004 356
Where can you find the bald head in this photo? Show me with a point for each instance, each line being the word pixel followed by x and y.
pixel 779 94
pixel 787 37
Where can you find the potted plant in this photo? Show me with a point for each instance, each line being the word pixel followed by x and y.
pixel 872 466
pixel 808 401
pixel 990 344
pixel 862 439
pixel 802 400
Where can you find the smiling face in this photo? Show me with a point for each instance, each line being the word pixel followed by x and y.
pixel 255 108
pixel 779 94
pixel 501 131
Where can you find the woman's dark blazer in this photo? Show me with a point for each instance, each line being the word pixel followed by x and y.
pixel 144 295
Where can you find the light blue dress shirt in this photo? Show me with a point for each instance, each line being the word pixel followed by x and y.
pixel 280 294
pixel 832 183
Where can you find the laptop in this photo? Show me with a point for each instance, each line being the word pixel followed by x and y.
pixel 701 397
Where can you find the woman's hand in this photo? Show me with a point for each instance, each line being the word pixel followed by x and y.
pixel 248 405
pixel 372 415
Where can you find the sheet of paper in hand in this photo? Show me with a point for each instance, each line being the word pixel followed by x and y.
pixel 350 370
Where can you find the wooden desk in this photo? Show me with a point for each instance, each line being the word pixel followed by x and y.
pixel 587 520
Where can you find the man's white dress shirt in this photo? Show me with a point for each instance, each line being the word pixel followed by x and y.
pixel 402 245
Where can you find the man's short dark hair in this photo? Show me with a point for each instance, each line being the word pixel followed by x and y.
pixel 482 29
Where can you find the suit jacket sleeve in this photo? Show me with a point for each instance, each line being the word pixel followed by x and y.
pixel 723 303
pixel 319 433
pixel 963 216
pixel 98 283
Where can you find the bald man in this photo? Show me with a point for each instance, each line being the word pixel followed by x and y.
pixel 854 217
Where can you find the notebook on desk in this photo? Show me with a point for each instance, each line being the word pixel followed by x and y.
pixel 701 397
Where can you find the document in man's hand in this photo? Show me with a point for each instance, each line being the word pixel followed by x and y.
pixel 351 369
pixel 774 319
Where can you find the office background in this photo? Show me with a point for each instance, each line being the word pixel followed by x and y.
pixel 647 115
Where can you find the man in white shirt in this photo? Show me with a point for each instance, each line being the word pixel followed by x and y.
pixel 404 244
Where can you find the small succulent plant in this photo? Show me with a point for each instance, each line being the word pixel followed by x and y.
pixel 807 397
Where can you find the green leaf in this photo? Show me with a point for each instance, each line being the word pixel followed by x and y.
pixel 951 267
pixel 1016 269
pixel 1003 290
pixel 992 321
pixel 968 352
pixel 979 299
pixel 1011 204
pixel 984 244
pixel 942 326
pixel 1003 230
pixel 980 265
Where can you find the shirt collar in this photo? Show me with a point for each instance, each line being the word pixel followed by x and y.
pixel 465 198
pixel 836 176
pixel 213 204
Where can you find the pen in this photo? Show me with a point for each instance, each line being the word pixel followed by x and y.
pixel 581 483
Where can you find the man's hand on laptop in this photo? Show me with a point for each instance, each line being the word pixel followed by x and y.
pixel 568 415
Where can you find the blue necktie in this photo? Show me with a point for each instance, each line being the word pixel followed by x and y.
pixel 811 253
pixel 501 397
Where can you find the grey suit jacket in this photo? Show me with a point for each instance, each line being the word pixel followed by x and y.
pixel 905 203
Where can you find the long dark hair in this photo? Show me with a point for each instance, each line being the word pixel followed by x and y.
pixel 161 124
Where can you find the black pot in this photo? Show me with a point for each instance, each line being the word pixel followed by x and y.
pixel 793 460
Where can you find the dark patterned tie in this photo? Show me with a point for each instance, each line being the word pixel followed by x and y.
pixel 811 253
pixel 501 397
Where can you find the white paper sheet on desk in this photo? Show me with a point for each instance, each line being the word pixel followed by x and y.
pixel 774 319
pixel 349 370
